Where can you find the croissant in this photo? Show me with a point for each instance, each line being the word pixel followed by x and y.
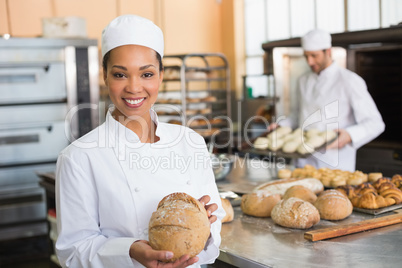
pixel 386 186
pixel 397 180
pixel 393 193
pixel 380 181
pixel 371 200
pixel 347 190
pixel 363 186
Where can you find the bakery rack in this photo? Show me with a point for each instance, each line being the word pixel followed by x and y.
pixel 196 92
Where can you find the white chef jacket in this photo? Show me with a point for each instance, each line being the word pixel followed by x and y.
pixel 336 98
pixel 108 184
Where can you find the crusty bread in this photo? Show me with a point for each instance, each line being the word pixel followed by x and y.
pixel 333 205
pixel 227 206
pixel 259 204
pixel 301 192
pixel 180 224
pixel 280 186
pixel 295 213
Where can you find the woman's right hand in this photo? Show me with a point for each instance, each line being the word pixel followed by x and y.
pixel 142 252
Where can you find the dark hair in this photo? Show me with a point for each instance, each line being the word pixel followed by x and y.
pixel 107 56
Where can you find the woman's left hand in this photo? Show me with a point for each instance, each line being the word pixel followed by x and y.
pixel 343 139
pixel 209 208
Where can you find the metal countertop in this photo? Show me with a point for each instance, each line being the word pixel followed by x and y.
pixel 258 242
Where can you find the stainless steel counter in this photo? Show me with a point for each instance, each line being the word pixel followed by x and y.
pixel 258 242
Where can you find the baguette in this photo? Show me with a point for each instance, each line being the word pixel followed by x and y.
pixel 280 186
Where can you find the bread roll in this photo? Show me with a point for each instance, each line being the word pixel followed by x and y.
pixel 259 204
pixel 333 205
pixel 290 146
pixel 305 148
pixel 227 206
pixel 372 177
pixel 261 143
pixel 284 173
pixel 295 213
pixel 275 145
pixel 316 141
pixel 280 186
pixel 301 192
pixel 180 224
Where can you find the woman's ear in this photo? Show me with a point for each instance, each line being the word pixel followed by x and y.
pixel 105 77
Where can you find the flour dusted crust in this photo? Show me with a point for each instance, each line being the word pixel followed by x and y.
pixel 295 213
pixel 280 186
pixel 259 204
pixel 333 205
pixel 180 224
pixel 227 206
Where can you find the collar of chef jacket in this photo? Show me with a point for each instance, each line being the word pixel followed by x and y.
pixel 328 72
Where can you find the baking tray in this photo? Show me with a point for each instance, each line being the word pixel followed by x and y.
pixel 378 210
pixel 247 148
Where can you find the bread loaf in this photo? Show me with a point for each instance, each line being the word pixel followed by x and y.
pixel 333 205
pixel 301 192
pixel 180 224
pixel 227 206
pixel 280 186
pixel 259 204
pixel 295 213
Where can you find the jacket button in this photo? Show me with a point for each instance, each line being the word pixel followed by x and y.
pixel 189 182
pixel 137 189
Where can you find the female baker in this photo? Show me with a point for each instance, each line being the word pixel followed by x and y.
pixel 110 181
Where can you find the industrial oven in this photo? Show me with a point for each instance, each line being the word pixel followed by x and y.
pixel 49 96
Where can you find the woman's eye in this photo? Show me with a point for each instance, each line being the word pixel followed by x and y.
pixel 148 74
pixel 118 75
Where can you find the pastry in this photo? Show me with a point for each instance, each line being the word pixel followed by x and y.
pixel 295 213
pixel 259 204
pixel 180 224
pixel 380 181
pixel 301 192
pixel 333 205
pixel 227 206
pixel 372 177
pixel 397 180
pixel 347 190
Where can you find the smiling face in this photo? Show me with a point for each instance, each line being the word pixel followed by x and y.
pixel 133 78
pixel 318 60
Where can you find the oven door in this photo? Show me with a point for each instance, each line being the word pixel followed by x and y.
pixel 36 143
pixel 32 82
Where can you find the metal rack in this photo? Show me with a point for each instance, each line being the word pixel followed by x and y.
pixel 196 87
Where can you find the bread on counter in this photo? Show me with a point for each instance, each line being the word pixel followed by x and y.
pixel 280 186
pixel 295 213
pixel 301 192
pixel 227 206
pixel 180 224
pixel 259 204
pixel 333 205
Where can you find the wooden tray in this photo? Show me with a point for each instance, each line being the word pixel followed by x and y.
pixel 378 210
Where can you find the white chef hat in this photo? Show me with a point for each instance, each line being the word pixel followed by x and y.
pixel 316 40
pixel 132 30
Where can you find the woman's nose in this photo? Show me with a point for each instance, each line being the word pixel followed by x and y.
pixel 133 85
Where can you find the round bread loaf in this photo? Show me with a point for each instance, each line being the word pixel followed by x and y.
pixel 295 213
pixel 259 204
pixel 301 192
pixel 372 177
pixel 333 205
pixel 180 225
pixel 227 206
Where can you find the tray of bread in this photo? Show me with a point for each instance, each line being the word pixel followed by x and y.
pixel 285 142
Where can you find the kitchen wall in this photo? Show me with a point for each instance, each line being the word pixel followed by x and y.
pixel 188 25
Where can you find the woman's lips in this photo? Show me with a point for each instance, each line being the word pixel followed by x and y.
pixel 134 102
